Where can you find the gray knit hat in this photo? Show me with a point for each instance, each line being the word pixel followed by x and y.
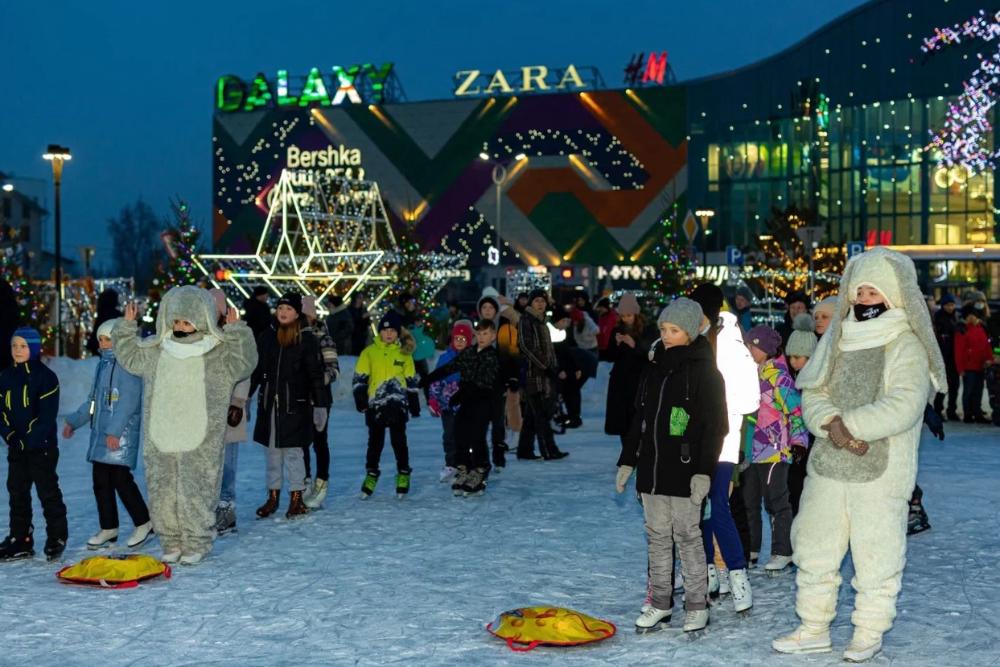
pixel 802 341
pixel 684 313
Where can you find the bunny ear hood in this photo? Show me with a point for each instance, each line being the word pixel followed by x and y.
pixel 895 275
pixel 190 303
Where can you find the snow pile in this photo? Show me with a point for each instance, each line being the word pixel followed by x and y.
pixel 415 581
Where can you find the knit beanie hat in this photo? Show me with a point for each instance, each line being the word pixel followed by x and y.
pixel 684 313
pixel 948 298
pixel 293 300
pixel 107 326
pixel 827 305
pixel 710 298
pixel 538 294
pixel 628 305
pixel 462 328
pixel 489 290
pixel 488 299
pixel 745 292
pixel 391 320
pixel 763 337
pixel 797 297
pixel 802 341
pixel 220 301
pixel 32 338
pixel 309 305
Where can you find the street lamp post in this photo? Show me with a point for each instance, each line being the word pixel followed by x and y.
pixel 57 155
pixel 499 175
pixel 704 216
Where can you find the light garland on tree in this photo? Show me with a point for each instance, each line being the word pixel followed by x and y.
pixel 31 306
pixel 964 138
pixel 181 244
pixel 672 260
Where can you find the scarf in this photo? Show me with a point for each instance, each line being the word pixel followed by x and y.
pixel 873 333
pixel 197 348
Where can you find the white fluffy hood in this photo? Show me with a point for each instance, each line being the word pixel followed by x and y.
pixel 190 303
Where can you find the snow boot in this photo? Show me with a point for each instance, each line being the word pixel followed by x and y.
pixel 650 618
pixel 54 547
pixel 318 495
pixel 368 484
pixel 804 639
pixel 777 564
pixel 739 583
pixel 475 483
pixel 724 587
pixel 403 483
pixel 140 535
pixel 695 619
pixel 713 581
pixel 864 646
pixel 16 548
pixel 103 538
pixel 225 518
pixel 461 477
pixel 270 505
pixel 296 507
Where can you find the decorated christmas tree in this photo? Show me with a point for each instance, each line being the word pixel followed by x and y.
pixel 409 276
pixel 31 309
pixel 180 241
pixel 782 265
pixel 671 258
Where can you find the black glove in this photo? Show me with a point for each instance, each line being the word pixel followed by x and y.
pixel 456 399
pixel 799 455
pixel 934 422
pixel 413 399
pixel 235 416
pixel 361 400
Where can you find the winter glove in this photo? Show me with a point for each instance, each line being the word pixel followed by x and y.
pixel 413 398
pixel 934 422
pixel 700 484
pixel 843 439
pixel 235 416
pixel 434 406
pixel 621 479
pixel 319 418
pixel 799 455
pixel 361 400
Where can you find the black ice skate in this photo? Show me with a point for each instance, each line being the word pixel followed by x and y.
pixel 17 548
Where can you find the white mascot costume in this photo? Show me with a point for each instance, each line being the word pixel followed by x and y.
pixel 876 376
pixel 187 384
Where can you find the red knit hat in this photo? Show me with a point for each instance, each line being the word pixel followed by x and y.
pixel 462 328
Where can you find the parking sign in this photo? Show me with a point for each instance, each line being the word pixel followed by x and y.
pixel 734 256
pixel 854 248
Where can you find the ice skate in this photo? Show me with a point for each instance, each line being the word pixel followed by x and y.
pixel 713 581
pixel 403 483
pixel 804 640
pixel 296 508
pixel 695 619
pixel 318 495
pixel 499 456
pixel 54 547
pixel 917 521
pixel 461 477
pixel 777 565
pixel 103 538
pixel 739 583
pixel 225 518
pixel 648 602
pixel 864 646
pixel 17 548
pixel 141 534
pixel 652 619
pixel 447 475
pixel 475 483
pixel 368 484
pixel 724 587
pixel 270 505
pixel 754 557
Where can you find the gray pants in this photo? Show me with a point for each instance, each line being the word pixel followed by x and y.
pixel 768 481
pixel 671 519
pixel 294 464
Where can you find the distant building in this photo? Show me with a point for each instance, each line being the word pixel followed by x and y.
pixel 22 218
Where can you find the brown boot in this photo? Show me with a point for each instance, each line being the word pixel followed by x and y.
pixel 296 507
pixel 270 506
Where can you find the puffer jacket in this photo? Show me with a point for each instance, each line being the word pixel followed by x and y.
pixel 114 407
pixel 676 432
pixel 779 419
pixel 972 348
pixel 478 372
pixel 385 383
pixel 742 387
pixel 29 405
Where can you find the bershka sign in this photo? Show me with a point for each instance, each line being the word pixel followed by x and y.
pixel 356 84
pixel 528 79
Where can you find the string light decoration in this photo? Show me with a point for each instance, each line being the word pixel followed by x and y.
pixel 672 259
pixel 473 237
pixel 964 138
pixel 782 266
pixel 324 235
pixel 181 244
pixel 32 308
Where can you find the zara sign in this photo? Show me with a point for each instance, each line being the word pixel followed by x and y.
pixel 528 79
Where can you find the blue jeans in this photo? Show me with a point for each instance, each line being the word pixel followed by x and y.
pixel 230 457
pixel 972 394
pixel 720 522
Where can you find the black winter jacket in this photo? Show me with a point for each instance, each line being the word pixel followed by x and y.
pixel 478 371
pixel 257 315
pixel 944 331
pixel 665 453
pixel 623 384
pixel 29 406
pixel 291 385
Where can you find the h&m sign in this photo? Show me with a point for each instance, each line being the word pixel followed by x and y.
pixel 528 79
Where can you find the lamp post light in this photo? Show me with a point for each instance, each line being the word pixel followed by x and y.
pixel 499 175
pixel 57 155
pixel 704 216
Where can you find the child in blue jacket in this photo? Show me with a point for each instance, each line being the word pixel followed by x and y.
pixel 114 413
pixel 29 406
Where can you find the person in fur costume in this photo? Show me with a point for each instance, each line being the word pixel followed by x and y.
pixel 189 369
pixel 864 393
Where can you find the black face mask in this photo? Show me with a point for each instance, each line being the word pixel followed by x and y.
pixel 863 312
pixel 182 334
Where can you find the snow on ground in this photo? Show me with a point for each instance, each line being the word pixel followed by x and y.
pixel 414 582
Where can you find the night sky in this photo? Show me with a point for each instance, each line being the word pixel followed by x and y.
pixel 129 86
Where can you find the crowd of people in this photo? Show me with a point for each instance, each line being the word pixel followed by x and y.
pixel 817 420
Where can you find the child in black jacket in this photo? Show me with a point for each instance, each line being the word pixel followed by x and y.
pixel 479 383
pixel 29 405
pixel 674 444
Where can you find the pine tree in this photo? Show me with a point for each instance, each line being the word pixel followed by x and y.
pixel 672 259
pixel 782 265
pixel 180 241
pixel 411 264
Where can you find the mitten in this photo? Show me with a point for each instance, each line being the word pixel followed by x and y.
pixel 235 416
pixel 700 485
pixel 319 418
pixel 839 435
pixel 621 479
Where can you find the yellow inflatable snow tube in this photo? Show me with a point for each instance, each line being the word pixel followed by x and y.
pixel 525 628
pixel 114 571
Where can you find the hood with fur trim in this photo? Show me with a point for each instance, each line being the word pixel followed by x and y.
pixel 895 275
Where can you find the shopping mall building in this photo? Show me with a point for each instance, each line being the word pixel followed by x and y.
pixel 836 125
